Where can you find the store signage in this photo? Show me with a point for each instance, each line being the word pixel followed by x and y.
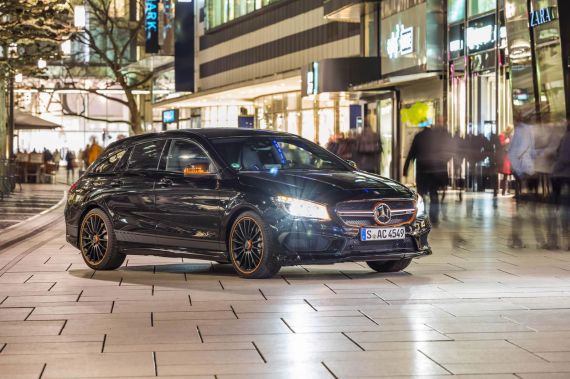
pixel 170 116
pixel 542 16
pixel 401 41
pixel 151 26
pixel 481 34
pixel 246 122
pixel 313 79
pixel 456 45
pixel 480 37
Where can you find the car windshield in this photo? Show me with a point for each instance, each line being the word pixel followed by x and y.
pixel 273 154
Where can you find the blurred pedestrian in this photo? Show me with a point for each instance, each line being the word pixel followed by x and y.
pixel 48 156
pixel 431 165
pixel 84 156
pixel 560 180
pixel 70 166
pixel 368 150
pixel 93 152
pixel 503 159
pixel 522 154
pixel 56 158
pixel 458 155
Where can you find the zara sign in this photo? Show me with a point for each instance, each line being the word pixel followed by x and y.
pixel 151 26
pixel 542 16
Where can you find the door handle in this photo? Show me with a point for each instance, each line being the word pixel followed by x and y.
pixel 165 182
pixel 116 183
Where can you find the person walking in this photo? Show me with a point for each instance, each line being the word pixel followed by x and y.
pixel 56 158
pixel 561 178
pixel 368 149
pixel 93 151
pixel 70 166
pixel 431 165
pixel 503 159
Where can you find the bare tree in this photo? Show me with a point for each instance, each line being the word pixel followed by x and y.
pixel 30 30
pixel 111 35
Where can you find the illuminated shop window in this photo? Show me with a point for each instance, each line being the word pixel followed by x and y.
pixel 455 11
pixel 219 12
pixel 477 7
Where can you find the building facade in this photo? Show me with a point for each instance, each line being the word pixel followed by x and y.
pixel 251 63
pixel 317 68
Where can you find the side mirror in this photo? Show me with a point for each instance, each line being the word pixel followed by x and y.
pixel 352 163
pixel 197 169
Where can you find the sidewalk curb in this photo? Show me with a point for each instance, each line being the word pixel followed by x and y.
pixel 42 226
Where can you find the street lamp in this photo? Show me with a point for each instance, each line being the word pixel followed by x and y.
pixel 66 47
pixel 79 16
pixel 12 52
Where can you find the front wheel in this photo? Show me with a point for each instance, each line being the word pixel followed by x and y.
pixel 389 266
pixel 251 247
pixel 97 242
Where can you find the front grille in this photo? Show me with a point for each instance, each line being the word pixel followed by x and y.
pixel 361 213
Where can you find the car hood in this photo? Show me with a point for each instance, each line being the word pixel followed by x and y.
pixel 326 185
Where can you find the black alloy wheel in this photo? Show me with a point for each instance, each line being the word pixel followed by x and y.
pixel 97 242
pixel 250 247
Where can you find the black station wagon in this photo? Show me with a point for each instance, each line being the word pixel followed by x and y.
pixel 259 200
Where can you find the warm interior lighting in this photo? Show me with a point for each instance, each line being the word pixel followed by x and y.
pixel 196 169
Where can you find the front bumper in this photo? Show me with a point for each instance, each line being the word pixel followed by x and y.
pixel 313 242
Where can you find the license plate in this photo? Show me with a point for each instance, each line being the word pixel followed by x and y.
pixel 382 234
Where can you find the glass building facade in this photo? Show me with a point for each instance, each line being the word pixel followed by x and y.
pixel 219 12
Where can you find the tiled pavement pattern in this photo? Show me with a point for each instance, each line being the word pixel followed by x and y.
pixel 475 309
pixel 28 201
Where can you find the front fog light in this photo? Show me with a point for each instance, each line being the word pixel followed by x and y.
pixel 303 208
pixel 420 206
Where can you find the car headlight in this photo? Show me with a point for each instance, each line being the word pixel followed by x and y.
pixel 420 206
pixel 303 208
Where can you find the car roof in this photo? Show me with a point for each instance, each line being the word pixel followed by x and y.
pixel 224 132
pixel 207 133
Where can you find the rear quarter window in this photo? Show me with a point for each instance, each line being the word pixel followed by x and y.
pixel 108 163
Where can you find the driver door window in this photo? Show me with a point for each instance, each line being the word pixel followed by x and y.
pixel 183 154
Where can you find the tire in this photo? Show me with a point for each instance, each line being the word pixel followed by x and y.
pixel 251 245
pixel 97 242
pixel 389 266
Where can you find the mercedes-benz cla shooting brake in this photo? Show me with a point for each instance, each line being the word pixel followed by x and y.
pixel 258 199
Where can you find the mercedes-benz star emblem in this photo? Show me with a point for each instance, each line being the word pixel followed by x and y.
pixel 382 214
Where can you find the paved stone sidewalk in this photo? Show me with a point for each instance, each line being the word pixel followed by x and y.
pixel 475 309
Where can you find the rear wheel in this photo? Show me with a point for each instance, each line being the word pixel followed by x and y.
pixel 389 266
pixel 97 242
pixel 251 247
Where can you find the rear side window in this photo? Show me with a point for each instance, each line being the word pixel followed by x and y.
pixel 108 163
pixel 145 156
pixel 183 154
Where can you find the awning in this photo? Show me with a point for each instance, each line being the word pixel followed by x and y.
pixel 238 93
pixel 394 81
pixel 25 121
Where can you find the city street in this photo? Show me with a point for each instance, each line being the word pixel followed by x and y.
pixel 475 307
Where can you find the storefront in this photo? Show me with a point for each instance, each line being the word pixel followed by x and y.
pixel 316 118
pixel 410 94
pixel 505 66
pixel 479 88
pixel 537 60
